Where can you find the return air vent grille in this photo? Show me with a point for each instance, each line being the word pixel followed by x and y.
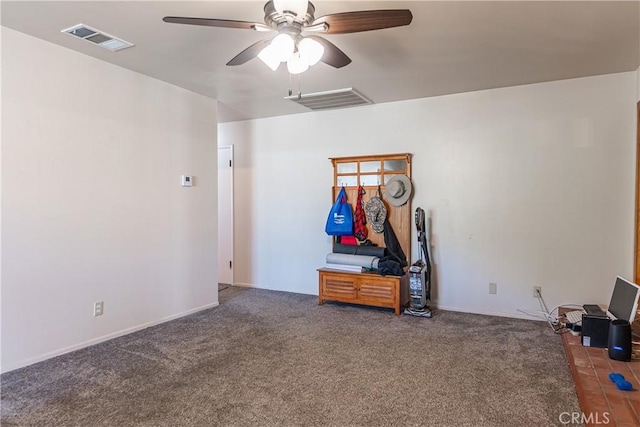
pixel 339 98
pixel 97 37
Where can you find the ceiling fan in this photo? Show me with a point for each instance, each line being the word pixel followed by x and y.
pixel 297 42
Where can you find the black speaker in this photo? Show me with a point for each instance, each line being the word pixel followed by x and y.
pixel 620 340
pixel 595 330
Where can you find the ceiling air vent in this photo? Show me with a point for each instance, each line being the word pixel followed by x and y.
pixel 97 37
pixel 339 98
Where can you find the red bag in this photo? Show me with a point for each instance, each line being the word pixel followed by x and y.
pixel 360 221
pixel 348 240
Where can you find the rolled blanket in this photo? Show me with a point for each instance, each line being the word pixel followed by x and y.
pixel 359 260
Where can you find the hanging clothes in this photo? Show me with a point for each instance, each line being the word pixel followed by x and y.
pixel 360 220
pixel 394 249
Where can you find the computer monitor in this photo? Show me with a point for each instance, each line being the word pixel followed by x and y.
pixel 624 300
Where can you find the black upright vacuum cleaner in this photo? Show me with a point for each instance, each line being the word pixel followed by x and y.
pixel 420 273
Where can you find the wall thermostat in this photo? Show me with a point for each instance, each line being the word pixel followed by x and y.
pixel 187 180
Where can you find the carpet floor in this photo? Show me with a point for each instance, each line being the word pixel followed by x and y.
pixel 266 358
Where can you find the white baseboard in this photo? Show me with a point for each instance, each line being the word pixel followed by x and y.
pixel 433 304
pixel 49 355
pixel 249 285
pixel 245 285
pixel 515 315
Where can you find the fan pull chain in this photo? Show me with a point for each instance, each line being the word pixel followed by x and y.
pixel 291 88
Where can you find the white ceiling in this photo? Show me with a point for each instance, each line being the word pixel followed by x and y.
pixel 450 47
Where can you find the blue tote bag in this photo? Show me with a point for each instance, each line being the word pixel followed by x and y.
pixel 340 219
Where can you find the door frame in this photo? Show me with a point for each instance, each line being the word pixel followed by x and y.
pixel 637 222
pixel 230 224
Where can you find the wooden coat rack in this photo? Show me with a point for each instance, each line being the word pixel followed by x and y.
pixel 370 288
pixel 371 171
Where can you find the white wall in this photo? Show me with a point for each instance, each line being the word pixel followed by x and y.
pixel 92 207
pixel 529 185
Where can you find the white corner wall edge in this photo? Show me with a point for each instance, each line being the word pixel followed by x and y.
pixel 94 341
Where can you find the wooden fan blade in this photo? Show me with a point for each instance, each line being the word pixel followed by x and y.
pixel 249 53
pixel 211 22
pixel 366 20
pixel 332 54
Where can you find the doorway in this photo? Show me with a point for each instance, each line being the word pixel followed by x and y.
pixel 225 215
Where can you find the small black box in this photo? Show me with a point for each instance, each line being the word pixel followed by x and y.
pixel 595 331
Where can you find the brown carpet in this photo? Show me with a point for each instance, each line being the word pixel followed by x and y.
pixel 266 358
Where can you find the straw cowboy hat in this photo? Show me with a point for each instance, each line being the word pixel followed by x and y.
pixel 398 190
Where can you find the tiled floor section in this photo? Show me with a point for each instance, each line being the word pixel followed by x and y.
pixel 598 395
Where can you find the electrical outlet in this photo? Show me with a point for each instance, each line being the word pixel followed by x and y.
pixel 98 308
pixel 493 288
pixel 537 291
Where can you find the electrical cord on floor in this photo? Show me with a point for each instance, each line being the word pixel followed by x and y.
pixel 553 320
pixel 562 329
pixel 558 327
pixel 539 314
pixel 222 289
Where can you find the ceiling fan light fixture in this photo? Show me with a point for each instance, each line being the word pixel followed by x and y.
pixel 268 56
pixel 294 7
pixel 282 47
pixel 296 65
pixel 310 51
pixel 293 18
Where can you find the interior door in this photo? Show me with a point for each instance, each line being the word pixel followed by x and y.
pixel 225 215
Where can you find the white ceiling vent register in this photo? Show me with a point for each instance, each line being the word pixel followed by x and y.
pixel 97 37
pixel 339 98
